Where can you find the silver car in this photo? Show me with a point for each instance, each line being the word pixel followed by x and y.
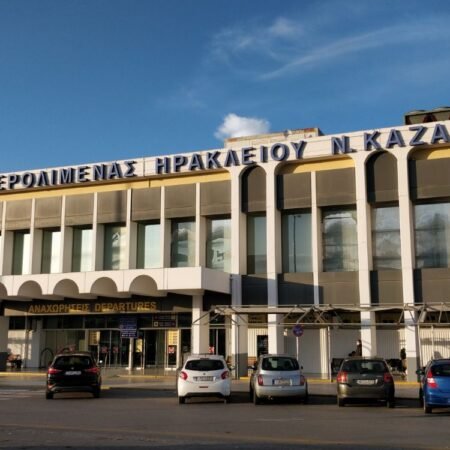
pixel 277 376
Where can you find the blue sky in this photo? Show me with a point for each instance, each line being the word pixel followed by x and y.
pixel 98 80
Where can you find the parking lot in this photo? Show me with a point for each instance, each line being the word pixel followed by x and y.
pixel 144 412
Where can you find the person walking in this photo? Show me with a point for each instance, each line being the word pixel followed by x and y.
pixel 358 347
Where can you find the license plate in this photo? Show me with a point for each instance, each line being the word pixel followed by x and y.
pixel 204 378
pixel 73 372
pixel 366 382
pixel 282 382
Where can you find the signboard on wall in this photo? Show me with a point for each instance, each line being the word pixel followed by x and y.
pixel 164 321
pixel 128 327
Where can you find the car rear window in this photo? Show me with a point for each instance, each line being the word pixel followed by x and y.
pixel 279 363
pixel 204 365
pixel 65 362
pixel 441 370
pixel 364 366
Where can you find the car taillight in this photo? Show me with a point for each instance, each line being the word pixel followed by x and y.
pixel 302 380
pixel 260 380
pixel 94 370
pixel 53 371
pixel 183 375
pixel 431 382
pixel 225 375
pixel 342 377
pixel 388 377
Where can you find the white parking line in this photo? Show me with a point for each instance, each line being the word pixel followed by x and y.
pixel 12 394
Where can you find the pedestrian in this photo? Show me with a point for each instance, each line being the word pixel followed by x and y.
pixel 358 347
pixel 403 359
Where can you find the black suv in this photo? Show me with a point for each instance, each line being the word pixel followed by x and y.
pixel 73 372
pixel 362 378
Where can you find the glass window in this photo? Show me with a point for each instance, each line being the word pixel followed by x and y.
pixel 432 231
pixel 296 238
pixel 256 244
pixel 115 247
pixel 82 250
pixel 218 244
pixel 51 251
pixel 386 238
pixel 21 253
pixel 183 243
pixel 339 238
pixel 148 248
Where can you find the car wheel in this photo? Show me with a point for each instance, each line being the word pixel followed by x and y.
pixel 340 402
pixel 97 393
pixel 227 399
pixel 390 403
pixel 250 394
pixel 305 398
pixel 181 400
pixel 49 395
pixel 256 399
pixel 426 409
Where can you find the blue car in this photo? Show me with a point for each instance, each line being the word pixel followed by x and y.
pixel 435 385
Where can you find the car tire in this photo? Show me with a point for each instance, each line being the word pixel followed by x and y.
pixel 256 399
pixel 97 392
pixel 390 403
pixel 340 402
pixel 250 394
pixel 49 395
pixel 305 398
pixel 181 400
pixel 227 399
pixel 426 408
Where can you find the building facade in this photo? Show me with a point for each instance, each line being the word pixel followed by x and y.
pixel 225 251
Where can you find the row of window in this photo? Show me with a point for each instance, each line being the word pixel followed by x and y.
pixel 340 246
pixel 339 242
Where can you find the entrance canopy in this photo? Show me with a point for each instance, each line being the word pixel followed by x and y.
pixel 429 313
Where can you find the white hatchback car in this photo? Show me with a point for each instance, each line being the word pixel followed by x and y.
pixel 204 376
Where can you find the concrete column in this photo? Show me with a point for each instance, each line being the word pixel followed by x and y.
pixel 132 231
pixel 200 232
pixel 408 264
pixel 4 327
pixel 35 244
pixel 363 214
pixel 239 326
pixel 66 241
pixel 98 238
pixel 165 233
pixel 200 326
pixel 273 222
pixel 316 239
pixel 3 240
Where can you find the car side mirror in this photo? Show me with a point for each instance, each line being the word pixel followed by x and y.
pixel 420 372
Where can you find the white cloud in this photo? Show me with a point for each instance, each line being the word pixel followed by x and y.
pixel 238 126
pixel 286 28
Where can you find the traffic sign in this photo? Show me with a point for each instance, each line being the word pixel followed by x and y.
pixel 297 330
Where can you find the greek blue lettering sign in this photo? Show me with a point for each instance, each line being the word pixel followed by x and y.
pixel 387 139
pixel 68 175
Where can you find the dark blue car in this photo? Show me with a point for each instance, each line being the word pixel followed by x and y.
pixel 435 385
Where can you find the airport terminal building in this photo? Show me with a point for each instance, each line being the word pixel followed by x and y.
pixel 145 260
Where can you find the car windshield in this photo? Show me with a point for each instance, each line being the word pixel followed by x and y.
pixel 364 366
pixel 279 363
pixel 441 370
pixel 78 361
pixel 204 365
